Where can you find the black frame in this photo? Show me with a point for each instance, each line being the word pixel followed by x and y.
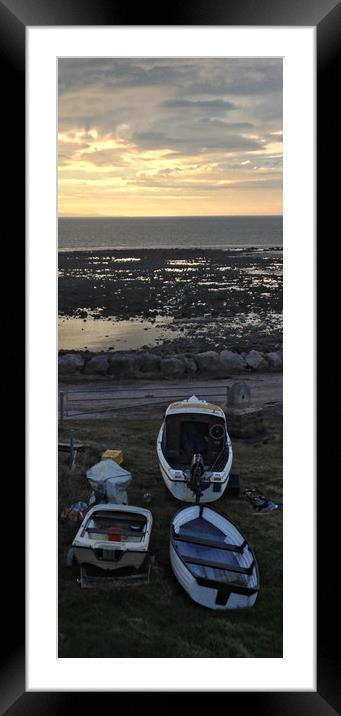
pixel 325 15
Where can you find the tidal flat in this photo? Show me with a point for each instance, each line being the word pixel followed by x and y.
pixel 171 299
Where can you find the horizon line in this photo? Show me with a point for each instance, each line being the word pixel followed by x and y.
pixel 164 216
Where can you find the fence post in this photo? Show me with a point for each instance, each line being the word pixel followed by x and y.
pixel 61 409
pixel 227 394
pixel 72 449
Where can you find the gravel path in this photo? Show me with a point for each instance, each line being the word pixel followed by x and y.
pixel 137 398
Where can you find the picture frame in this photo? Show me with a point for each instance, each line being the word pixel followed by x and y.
pixel 15 17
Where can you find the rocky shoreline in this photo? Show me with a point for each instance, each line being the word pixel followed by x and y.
pixel 207 299
pixel 145 364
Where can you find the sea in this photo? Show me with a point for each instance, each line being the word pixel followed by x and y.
pixel 215 232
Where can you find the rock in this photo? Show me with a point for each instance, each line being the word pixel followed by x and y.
pixel 172 367
pixel 190 365
pixel 274 359
pixel 70 363
pixel 238 395
pixel 188 361
pixel 208 362
pixel 256 360
pixel 147 362
pixel 98 365
pixel 232 361
pixel 121 366
pixel 245 422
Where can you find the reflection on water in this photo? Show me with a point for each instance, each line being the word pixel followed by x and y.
pixel 121 301
pixel 186 263
pixel 182 270
pixel 96 335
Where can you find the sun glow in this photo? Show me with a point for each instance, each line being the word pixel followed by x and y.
pixel 132 143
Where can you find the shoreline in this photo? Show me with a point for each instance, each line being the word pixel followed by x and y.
pixel 186 300
pixel 231 247
pixel 82 366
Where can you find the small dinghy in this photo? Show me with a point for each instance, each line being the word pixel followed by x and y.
pixel 212 560
pixel 113 537
pixel 194 450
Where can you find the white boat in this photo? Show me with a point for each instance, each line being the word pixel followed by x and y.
pixel 194 450
pixel 113 537
pixel 211 559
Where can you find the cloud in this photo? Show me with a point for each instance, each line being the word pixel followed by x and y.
pixel 189 138
pixel 104 92
pixel 69 151
pixel 219 76
pixel 104 157
pixel 238 77
pixel 202 185
pixel 182 126
pixel 119 73
pixel 211 106
pixel 222 124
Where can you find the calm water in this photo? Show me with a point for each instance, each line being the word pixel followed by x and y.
pixel 170 232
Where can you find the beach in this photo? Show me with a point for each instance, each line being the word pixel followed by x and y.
pixel 170 300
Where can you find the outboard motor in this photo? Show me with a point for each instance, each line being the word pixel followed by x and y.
pixel 196 474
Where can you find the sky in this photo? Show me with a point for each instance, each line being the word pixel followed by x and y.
pixel 169 137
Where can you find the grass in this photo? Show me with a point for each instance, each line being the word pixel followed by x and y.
pixel 159 619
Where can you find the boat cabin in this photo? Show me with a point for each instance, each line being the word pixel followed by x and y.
pixel 186 434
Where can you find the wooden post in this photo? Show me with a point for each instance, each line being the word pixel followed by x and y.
pixel 227 395
pixel 71 449
pixel 61 409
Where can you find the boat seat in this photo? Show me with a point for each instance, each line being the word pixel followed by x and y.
pixel 116 519
pixel 125 533
pixel 230 588
pixel 219 565
pixel 206 542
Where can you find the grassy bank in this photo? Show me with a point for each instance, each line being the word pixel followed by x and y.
pixel 159 619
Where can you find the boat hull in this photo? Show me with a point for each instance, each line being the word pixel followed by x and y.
pixel 210 587
pixel 178 485
pixel 113 537
pixel 127 559
pixel 180 491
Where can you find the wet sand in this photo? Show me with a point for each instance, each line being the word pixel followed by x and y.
pixel 175 300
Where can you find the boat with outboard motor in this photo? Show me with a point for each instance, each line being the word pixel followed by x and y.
pixel 194 450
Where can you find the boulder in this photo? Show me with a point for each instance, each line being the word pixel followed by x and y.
pixel 245 422
pixel 274 359
pixel 256 360
pixel 121 366
pixel 208 362
pixel 70 363
pixel 238 395
pixel 190 365
pixel 147 362
pixel 231 361
pixel 98 365
pixel 172 367
pixel 188 361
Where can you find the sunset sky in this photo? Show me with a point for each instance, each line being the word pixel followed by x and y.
pixel 170 137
